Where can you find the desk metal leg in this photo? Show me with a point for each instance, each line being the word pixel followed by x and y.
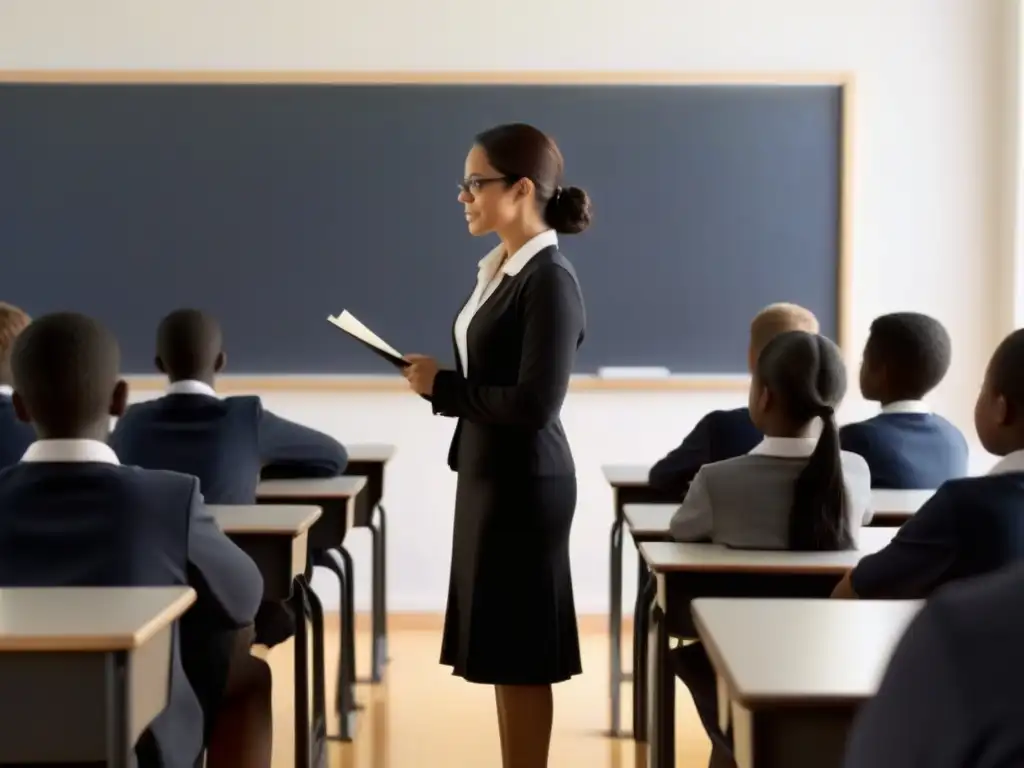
pixel 348 629
pixel 645 595
pixel 379 652
pixel 661 695
pixel 318 736
pixel 119 749
pixel 301 656
pixel 344 700
pixel 615 624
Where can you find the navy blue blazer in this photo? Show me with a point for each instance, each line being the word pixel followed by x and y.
pixel 908 451
pixel 971 526
pixel 951 695
pixel 15 436
pixel 226 443
pixel 720 435
pixel 103 525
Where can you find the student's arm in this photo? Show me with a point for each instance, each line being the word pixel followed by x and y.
pixel 290 449
pixel 552 316
pixel 674 473
pixel 852 439
pixel 692 521
pixel 918 717
pixel 224 577
pixel 917 559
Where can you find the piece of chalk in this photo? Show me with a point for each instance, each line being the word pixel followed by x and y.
pixel 637 372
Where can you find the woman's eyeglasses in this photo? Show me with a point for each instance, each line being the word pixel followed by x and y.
pixel 473 185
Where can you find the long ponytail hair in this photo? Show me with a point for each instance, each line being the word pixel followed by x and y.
pixel 806 373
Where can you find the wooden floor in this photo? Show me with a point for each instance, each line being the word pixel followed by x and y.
pixel 422 717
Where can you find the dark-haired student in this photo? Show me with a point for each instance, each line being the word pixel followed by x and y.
pixel 72 515
pixel 225 442
pixel 794 491
pixel 950 697
pixel 906 446
pixel 972 525
pixel 15 436
pixel 721 435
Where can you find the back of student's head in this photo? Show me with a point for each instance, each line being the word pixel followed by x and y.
pixel 189 345
pixel 906 356
pixel 800 377
pixel 775 319
pixel 12 322
pixel 66 368
pixel 999 411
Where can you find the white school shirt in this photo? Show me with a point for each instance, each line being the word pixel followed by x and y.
pixel 72 451
pixel 786 447
pixel 906 406
pixel 6 390
pixel 191 387
pixel 1011 462
pixel 488 278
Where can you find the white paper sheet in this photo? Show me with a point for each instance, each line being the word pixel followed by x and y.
pixel 350 325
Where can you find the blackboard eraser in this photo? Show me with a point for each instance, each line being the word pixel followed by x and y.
pixel 634 372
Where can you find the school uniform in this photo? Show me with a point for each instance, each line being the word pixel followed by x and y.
pixel 225 442
pixel 510 618
pixel 745 502
pixel 950 697
pixel 907 447
pixel 70 515
pixel 971 526
pixel 720 435
pixel 15 435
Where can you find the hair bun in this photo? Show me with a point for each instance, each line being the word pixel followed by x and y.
pixel 568 211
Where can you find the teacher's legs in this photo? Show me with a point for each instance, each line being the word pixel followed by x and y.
pixel 525 713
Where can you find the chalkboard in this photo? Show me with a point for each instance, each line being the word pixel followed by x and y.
pixel 274 205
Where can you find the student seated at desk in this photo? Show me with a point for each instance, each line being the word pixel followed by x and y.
pixel 15 436
pixel 907 447
pixel 972 525
pixel 951 695
pixel 225 442
pixel 722 435
pixel 795 489
pixel 71 515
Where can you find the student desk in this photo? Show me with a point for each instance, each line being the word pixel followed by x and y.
pixel 338 498
pixel 275 537
pixel 629 486
pixel 792 673
pixel 94 661
pixel 646 522
pixel 685 572
pixel 896 507
pixel 369 460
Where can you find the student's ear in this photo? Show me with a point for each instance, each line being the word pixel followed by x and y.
pixel 1003 411
pixel 19 408
pixel 765 400
pixel 220 362
pixel 159 364
pixel 119 399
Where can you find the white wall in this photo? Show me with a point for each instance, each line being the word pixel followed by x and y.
pixel 932 225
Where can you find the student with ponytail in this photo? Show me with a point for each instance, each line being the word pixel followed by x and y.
pixel 796 490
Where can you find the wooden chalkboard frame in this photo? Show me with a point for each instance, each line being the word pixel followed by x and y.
pixel 582 383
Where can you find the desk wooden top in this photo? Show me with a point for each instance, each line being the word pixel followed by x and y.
pixel 892 503
pixel 380 453
pixel 87 619
pixel 343 487
pixel 790 651
pixel 671 556
pixel 281 519
pixel 649 519
pixel 619 475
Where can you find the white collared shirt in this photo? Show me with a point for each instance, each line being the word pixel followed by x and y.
pixel 6 390
pixel 1011 462
pixel 906 406
pixel 191 387
pixel 488 278
pixel 786 447
pixel 70 451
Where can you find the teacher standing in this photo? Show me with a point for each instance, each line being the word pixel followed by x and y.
pixel 510 620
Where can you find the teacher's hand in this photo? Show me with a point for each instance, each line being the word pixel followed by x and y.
pixel 421 373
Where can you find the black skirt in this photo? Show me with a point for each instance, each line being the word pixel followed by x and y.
pixel 511 618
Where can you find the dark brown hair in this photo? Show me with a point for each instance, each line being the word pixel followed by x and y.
pixel 519 151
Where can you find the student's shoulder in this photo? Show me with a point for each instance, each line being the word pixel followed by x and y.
pixel 159 483
pixel 731 419
pixel 243 403
pixel 854 463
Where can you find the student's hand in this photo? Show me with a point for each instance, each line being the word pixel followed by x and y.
pixel 420 374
